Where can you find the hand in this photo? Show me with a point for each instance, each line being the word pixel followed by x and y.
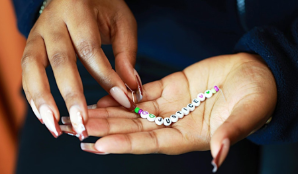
pixel 250 97
pixel 78 27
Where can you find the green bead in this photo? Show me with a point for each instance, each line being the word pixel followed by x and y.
pixel 137 110
pixel 213 90
pixel 151 115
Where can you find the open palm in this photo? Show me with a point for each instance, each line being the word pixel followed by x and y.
pixel 250 97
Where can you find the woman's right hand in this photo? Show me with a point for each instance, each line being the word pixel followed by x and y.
pixel 79 27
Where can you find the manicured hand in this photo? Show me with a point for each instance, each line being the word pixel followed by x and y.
pixel 250 97
pixel 79 27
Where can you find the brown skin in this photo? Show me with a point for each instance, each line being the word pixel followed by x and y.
pixel 66 28
pixel 250 91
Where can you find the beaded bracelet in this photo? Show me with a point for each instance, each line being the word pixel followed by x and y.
pixel 179 114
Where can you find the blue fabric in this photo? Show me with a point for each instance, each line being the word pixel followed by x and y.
pixel 27 12
pixel 279 48
pixel 179 33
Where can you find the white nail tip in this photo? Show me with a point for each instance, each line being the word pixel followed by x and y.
pixel 48 118
pixel 76 119
pixel 34 109
pixel 214 167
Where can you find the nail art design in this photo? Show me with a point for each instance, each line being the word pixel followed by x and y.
pixel 78 122
pixel 139 92
pixel 221 154
pixel 49 120
pixel 34 109
pixel 122 98
pixel 90 147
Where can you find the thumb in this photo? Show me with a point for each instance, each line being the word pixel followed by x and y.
pixel 247 116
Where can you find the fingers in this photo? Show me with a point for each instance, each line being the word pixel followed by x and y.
pixel 36 85
pixel 124 42
pixel 248 115
pixel 63 61
pixel 102 127
pixel 152 92
pixel 83 29
pixel 166 140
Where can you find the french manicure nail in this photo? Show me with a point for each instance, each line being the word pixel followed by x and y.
pixel 34 109
pixel 90 147
pixel 65 120
pixel 92 106
pixel 122 98
pixel 139 92
pixel 78 122
pixel 221 154
pixel 49 120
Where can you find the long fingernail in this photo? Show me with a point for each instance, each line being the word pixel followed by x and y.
pixel 34 109
pixel 122 98
pixel 49 120
pixel 139 92
pixel 90 147
pixel 65 120
pixel 92 106
pixel 78 122
pixel 68 130
pixel 221 154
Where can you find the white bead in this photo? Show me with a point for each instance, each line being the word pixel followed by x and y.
pixel 196 102
pixel 191 107
pixel 201 97
pixel 167 121
pixel 185 111
pixel 159 121
pixel 144 114
pixel 179 114
pixel 208 94
pixel 174 118
pixel 151 117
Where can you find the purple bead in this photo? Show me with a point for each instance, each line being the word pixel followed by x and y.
pixel 140 111
pixel 216 88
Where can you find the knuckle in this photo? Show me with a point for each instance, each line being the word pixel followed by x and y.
pixel 26 60
pixel 138 124
pixel 154 138
pixel 87 50
pixel 70 96
pixel 58 59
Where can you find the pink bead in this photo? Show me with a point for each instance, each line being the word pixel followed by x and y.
pixel 216 88
pixel 140 111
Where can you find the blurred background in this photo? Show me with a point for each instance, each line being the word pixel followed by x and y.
pixel 12 103
pixel 273 158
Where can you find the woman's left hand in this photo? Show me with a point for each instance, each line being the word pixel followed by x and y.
pixel 250 97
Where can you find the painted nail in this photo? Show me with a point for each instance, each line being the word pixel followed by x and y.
pixel 49 120
pixel 92 106
pixel 65 120
pixel 68 130
pixel 78 122
pixel 90 147
pixel 122 98
pixel 34 109
pixel 221 154
pixel 139 92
